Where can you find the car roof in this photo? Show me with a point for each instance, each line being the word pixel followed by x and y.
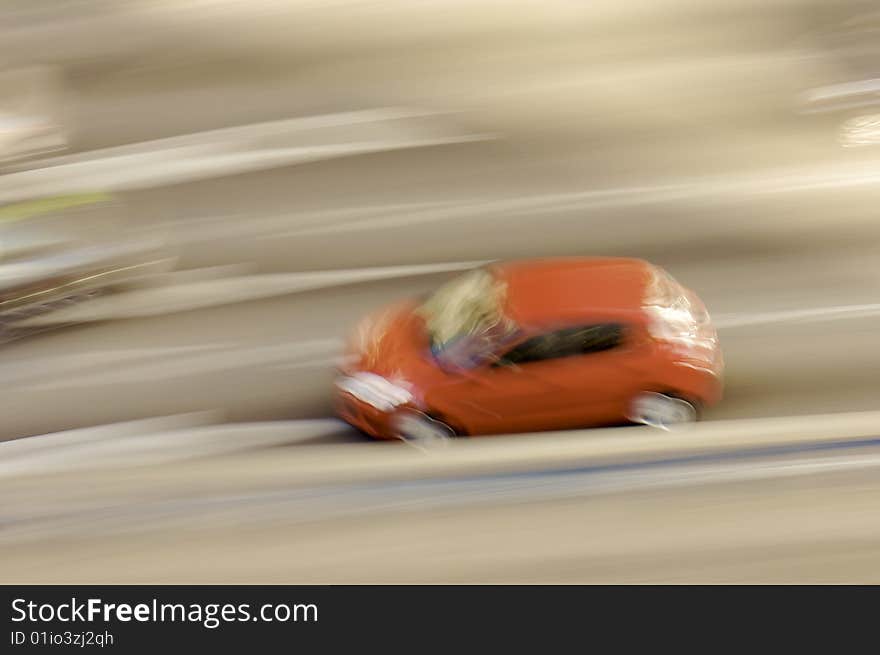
pixel 571 289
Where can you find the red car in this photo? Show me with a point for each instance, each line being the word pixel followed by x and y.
pixel 534 345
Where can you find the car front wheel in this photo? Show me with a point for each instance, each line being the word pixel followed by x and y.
pixel 660 410
pixel 422 430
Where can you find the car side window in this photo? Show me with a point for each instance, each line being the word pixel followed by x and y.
pixel 568 342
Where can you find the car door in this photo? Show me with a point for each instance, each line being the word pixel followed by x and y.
pixel 569 377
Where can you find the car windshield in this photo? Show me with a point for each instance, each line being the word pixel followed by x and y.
pixel 465 319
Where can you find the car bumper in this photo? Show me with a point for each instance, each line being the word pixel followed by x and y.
pixel 354 411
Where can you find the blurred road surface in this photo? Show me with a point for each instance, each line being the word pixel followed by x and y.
pixel 759 505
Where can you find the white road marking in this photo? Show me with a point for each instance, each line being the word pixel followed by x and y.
pixel 170 442
pixel 772 182
pixel 238 135
pixel 59 441
pixel 812 315
pixel 195 230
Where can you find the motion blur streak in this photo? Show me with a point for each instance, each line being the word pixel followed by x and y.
pixel 220 153
pixel 208 293
pixel 277 170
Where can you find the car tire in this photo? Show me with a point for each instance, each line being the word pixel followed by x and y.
pixel 661 410
pixel 419 429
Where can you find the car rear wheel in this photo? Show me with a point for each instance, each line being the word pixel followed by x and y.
pixel 421 430
pixel 661 410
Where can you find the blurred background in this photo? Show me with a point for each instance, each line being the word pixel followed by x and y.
pixel 198 199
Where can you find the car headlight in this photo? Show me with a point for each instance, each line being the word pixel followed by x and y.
pixel 374 390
